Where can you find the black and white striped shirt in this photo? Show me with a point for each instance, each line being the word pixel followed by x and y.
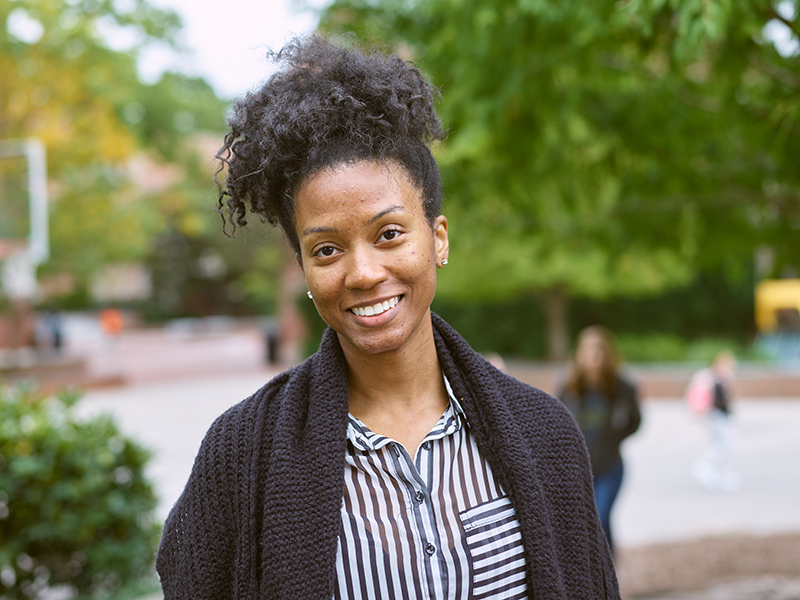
pixel 436 527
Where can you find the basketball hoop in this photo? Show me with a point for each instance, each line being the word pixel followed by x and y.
pixel 24 202
pixel 24 239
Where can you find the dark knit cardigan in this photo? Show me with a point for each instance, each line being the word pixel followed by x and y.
pixel 260 515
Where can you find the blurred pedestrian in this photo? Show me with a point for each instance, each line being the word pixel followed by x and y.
pixel 111 322
pixel 709 396
pixel 395 461
pixel 606 407
pixel 271 342
pixel 49 331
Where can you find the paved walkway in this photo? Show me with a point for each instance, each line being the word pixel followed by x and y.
pixel 759 588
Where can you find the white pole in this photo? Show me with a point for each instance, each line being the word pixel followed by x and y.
pixel 37 186
pixel 33 150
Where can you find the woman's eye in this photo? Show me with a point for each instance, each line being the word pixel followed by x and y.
pixel 389 235
pixel 326 251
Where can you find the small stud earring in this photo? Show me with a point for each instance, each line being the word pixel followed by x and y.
pixel 309 295
pixel 444 262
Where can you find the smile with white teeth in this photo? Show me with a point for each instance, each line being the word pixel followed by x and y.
pixel 375 309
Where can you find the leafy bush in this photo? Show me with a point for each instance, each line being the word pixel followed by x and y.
pixel 651 347
pixel 75 506
pixel 661 347
pixel 704 350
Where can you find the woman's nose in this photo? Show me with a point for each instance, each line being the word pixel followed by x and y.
pixel 365 269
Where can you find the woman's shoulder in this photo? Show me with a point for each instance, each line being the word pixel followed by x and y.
pixel 626 385
pixel 240 421
pixel 539 421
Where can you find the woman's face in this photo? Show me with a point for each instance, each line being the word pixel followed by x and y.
pixel 369 254
pixel 591 356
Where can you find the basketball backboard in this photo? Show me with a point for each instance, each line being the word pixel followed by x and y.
pixel 23 200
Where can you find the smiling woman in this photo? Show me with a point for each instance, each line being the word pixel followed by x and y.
pixel 395 462
pixel 369 256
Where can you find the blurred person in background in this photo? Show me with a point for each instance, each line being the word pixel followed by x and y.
pixel 395 461
pixel 709 396
pixel 606 407
pixel 111 322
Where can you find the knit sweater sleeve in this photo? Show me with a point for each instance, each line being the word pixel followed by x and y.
pixel 564 517
pixel 198 552
pixel 563 459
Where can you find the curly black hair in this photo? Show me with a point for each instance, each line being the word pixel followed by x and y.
pixel 328 105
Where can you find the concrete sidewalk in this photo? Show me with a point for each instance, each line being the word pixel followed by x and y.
pixel 660 501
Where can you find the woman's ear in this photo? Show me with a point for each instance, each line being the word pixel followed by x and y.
pixel 441 241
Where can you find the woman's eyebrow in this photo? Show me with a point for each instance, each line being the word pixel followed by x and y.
pixel 383 213
pixel 311 230
pixel 386 211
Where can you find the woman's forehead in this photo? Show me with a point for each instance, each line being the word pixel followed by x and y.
pixel 361 183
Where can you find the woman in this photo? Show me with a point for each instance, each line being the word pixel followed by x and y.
pixel 394 462
pixel 607 410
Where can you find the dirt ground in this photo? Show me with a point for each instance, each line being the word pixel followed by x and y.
pixel 723 568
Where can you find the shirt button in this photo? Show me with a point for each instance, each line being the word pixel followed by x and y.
pixel 430 549
pixel 420 497
pixel 426 445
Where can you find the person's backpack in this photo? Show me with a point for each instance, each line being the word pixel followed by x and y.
pixel 700 393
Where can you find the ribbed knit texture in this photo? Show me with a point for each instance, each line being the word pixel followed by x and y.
pixel 259 517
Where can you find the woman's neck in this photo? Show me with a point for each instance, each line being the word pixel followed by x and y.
pixel 398 394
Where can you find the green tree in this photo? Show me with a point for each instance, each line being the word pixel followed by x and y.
pixel 67 80
pixel 63 83
pixel 742 60
pixel 596 149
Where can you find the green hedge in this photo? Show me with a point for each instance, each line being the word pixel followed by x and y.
pixel 76 511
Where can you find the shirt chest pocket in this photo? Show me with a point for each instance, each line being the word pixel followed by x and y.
pixel 494 540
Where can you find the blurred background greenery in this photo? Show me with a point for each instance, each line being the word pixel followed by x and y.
pixel 629 162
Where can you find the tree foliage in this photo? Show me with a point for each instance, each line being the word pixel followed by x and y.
pixel 63 84
pixel 70 78
pixel 606 148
